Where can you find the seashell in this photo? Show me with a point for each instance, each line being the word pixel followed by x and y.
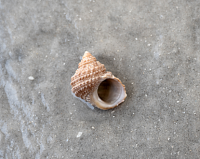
pixel 93 84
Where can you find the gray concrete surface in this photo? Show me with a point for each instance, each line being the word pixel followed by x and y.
pixel 152 46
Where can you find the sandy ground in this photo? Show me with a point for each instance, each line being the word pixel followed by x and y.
pixel 152 46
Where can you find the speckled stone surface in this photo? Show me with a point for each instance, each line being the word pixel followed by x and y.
pixel 152 46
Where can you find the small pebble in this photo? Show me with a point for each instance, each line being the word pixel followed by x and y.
pixel 31 78
pixel 79 134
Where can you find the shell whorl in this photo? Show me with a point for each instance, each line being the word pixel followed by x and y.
pixel 87 76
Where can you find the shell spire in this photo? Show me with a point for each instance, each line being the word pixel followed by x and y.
pixel 88 83
pixel 87 59
pixel 87 75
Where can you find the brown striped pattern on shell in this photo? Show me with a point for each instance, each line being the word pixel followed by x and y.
pixel 87 76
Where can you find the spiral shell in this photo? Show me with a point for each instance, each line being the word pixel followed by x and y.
pixel 92 83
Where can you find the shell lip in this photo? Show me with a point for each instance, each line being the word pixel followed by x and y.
pixel 98 102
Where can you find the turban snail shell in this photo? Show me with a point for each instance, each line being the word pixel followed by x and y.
pixel 93 84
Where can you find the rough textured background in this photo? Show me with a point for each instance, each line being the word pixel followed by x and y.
pixel 152 46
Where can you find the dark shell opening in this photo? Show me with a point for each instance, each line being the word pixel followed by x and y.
pixel 109 90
